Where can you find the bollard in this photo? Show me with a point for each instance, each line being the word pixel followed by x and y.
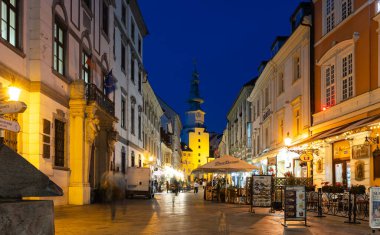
pixel 350 212
pixel 319 204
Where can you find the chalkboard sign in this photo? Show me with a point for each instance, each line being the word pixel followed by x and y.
pixel 262 191
pixel 295 204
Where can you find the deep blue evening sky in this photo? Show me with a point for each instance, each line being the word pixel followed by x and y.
pixel 228 39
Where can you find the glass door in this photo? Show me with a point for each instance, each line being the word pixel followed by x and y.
pixel 342 173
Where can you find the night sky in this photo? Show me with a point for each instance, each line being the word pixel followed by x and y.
pixel 228 39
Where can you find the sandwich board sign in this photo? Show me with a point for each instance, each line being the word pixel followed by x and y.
pixel 9 125
pixel 374 207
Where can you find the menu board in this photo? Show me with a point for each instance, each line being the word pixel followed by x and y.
pixel 374 207
pixel 262 196
pixel 295 203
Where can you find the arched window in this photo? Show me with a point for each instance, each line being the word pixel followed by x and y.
pixel 60 29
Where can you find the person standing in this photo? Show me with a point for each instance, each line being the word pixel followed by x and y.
pixel 196 186
pixel 167 187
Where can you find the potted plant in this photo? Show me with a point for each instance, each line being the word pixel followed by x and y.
pixel 290 179
pixel 357 189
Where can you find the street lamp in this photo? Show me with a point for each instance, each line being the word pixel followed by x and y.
pixel 14 93
pixel 288 141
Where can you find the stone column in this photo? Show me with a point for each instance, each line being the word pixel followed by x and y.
pixel 79 192
pixel 92 130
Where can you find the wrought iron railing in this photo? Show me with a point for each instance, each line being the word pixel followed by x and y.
pixel 338 204
pixel 93 93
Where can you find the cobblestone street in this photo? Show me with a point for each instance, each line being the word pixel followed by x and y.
pixel 189 215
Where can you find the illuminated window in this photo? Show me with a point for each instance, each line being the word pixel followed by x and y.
pixel 347 77
pixel 86 62
pixel 46 139
pixel 59 46
pixel 9 21
pixel 330 85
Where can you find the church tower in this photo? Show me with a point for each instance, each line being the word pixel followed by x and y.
pixel 195 115
pixel 194 133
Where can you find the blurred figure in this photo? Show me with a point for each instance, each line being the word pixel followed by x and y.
pixel 204 183
pixel 196 186
pixel 114 186
pixel 167 187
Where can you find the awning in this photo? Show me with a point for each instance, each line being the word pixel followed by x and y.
pixel 341 129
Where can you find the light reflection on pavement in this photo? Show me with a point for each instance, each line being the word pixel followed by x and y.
pixel 189 214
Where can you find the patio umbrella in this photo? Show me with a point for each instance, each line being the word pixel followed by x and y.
pixel 226 164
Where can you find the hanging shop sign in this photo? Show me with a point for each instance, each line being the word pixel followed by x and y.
pixel 262 190
pixel 306 157
pixel 374 207
pixel 295 204
pixel 361 151
pixel 9 125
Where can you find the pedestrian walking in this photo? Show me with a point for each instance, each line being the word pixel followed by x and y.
pixel 114 186
pixel 196 186
pixel 167 187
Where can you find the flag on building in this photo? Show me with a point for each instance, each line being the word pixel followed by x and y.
pixel 109 83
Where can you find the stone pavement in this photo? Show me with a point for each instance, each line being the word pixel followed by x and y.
pixel 189 214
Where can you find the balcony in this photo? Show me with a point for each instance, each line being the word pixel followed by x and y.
pixel 93 93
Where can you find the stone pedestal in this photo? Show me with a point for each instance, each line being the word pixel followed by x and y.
pixel 27 217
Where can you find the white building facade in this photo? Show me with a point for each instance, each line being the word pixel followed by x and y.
pixel 281 101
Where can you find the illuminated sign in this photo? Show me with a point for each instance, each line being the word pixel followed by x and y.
pixel 306 157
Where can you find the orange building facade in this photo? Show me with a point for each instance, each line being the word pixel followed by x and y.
pixel 346 107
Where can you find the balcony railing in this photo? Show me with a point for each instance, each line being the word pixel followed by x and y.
pixel 94 94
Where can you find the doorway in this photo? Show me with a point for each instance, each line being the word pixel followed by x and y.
pixel 342 173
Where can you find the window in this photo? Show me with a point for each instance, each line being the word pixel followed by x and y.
pixel 199 140
pixel 132 69
pixel 132 31
pixel 335 11
pixel 330 85
pixel 139 126
pixel 46 139
pixel 105 18
pixel 330 18
pixel 199 154
pixel 139 45
pixel 132 120
pixel 122 115
pixel 87 3
pixel 347 81
pixel 122 57
pixel 140 80
pixel 266 93
pixel 123 158
pixel 132 159
pixel 258 108
pixel 280 83
pixel 199 146
pixel 281 130
pixel 298 122
pixel 9 21
pixel 140 162
pixel 59 47
pixel 347 8
pixel 124 14
pixel 59 159
pixel 297 68
pixel 266 138
pixel 86 62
